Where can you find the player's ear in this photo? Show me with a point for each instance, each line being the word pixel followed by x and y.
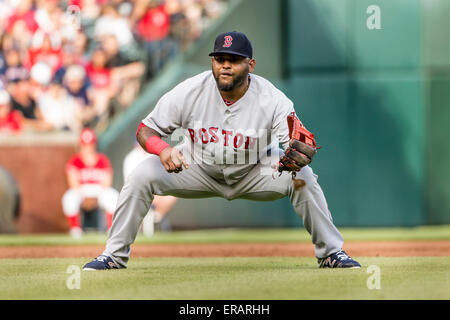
pixel 251 65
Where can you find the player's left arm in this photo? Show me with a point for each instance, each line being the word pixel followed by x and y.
pixel 298 143
pixel 280 129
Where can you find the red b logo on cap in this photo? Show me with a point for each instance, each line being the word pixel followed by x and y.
pixel 228 40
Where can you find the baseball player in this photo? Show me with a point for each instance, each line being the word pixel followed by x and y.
pixel 89 175
pixel 233 123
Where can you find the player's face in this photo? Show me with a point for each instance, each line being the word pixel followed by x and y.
pixel 88 148
pixel 231 71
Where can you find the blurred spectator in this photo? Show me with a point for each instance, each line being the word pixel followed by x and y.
pixel 80 46
pixel 22 24
pixel 11 68
pixel 23 13
pixel 70 56
pixel 153 26
pixel 179 25
pixel 7 43
pixel 90 9
pixel 98 72
pixel 45 49
pixel 126 73
pixel 6 11
pixel 193 12
pixel 48 15
pixel 22 101
pixel 58 108
pixel 100 77
pixel 10 120
pixel 89 176
pixel 118 43
pixel 111 23
pixel 77 86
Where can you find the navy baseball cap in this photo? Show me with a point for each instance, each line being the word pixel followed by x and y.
pixel 233 43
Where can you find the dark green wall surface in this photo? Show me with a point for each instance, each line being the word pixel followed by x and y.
pixel 363 93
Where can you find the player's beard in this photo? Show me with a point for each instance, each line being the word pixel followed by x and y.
pixel 238 80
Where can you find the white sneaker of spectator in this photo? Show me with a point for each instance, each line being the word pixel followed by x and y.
pixel 148 228
pixel 76 232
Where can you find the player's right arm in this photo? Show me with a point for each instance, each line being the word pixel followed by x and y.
pixel 171 158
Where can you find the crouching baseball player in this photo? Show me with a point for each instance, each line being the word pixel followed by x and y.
pixel 89 175
pixel 234 122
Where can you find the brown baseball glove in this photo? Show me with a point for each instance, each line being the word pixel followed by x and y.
pixel 302 147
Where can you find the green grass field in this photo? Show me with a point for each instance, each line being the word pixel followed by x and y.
pixel 228 278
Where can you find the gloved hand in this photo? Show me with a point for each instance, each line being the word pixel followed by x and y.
pixel 302 147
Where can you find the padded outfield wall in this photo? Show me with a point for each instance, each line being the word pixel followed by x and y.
pixel 379 100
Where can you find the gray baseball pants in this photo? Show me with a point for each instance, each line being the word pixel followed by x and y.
pixel 150 178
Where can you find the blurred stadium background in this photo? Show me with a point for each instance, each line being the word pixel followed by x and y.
pixel 377 100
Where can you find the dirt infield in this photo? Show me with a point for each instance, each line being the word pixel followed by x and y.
pixel 356 249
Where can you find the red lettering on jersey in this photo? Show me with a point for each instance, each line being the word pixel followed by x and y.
pixel 214 137
pixel 226 133
pixel 228 41
pixel 250 143
pixel 203 134
pixel 193 136
pixel 90 175
pixel 238 139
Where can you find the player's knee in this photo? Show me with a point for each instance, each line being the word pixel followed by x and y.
pixel 304 180
pixel 139 179
pixel 108 199
pixel 71 202
pixel 143 183
pixel 308 176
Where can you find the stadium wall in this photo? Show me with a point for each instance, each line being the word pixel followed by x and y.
pixel 37 164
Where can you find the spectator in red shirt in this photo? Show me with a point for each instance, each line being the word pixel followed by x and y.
pixel 89 175
pixel 10 120
pixel 23 12
pixel 46 52
pixel 103 89
pixel 98 73
pixel 153 26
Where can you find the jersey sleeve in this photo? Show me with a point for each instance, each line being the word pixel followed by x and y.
pixel 72 163
pixel 279 125
pixel 104 163
pixel 166 116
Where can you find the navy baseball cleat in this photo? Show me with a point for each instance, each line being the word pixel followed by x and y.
pixel 338 259
pixel 102 262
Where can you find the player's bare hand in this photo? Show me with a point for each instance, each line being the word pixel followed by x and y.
pixel 172 159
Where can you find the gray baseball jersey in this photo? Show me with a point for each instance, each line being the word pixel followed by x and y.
pixel 230 148
pixel 227 140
